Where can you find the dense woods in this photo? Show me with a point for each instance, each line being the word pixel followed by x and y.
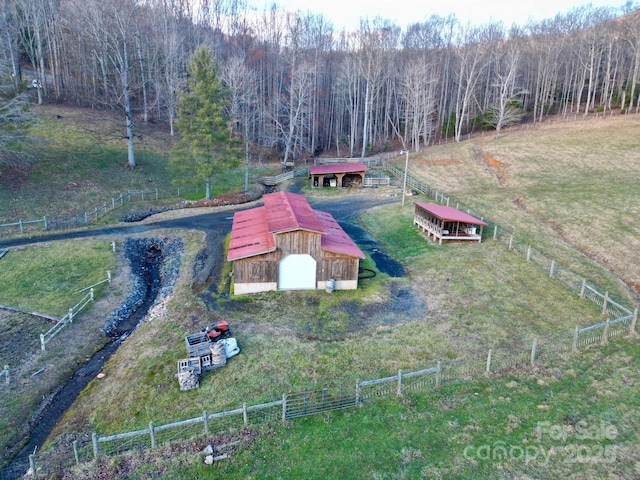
pixel 298 87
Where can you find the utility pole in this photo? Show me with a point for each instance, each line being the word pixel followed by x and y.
pixel 406 167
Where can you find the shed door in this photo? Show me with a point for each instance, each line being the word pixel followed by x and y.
pixel 297 272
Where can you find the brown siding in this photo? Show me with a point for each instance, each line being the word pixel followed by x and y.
pixel 298 242
pixel 264 268
pixel 338 267
pixel 255 270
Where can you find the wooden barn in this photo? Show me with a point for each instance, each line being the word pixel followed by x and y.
pixel 338 175
pixel 286 245
pixel 447 223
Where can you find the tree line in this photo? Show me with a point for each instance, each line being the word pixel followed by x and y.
pixel 295 85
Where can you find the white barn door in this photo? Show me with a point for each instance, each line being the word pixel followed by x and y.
pixel 297 272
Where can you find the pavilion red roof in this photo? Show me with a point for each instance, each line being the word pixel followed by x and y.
pixel 338 168
pixel 449 213
pixel 253 230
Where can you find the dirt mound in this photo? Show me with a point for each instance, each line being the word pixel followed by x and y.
pixel 227 199
pixel 219 201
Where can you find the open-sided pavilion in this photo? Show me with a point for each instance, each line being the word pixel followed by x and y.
pixel 447 223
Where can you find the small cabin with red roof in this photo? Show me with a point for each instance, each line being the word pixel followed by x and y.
pixel 338 175
pixel 286 245
pixel 447 223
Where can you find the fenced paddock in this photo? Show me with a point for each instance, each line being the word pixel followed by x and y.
pixel 544 351
pixel 376 179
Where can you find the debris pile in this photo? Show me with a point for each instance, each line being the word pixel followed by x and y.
pixel 207 350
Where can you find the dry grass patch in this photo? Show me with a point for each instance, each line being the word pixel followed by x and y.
pixel 569 190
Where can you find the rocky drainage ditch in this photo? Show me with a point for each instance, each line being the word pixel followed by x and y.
pixel 155 264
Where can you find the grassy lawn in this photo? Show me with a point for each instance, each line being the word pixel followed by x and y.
pixel 552 423
pixel 575 420
pixel 83 164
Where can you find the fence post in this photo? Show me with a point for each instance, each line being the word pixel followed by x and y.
pixel 109 276
pixel 495 232
pixel 399 389
pixel 528 252
pixel 46 225
pixel 632 332
pixel 245 418
pixel 152 433
pixel 94 440
pixel 358 393
pixel 156 194
pixel 510 242
pixel 205 418
pixel 575 339
pixel 42 342
pixel 76 453
pixel 488 369
pixel 113 245
pixel 584 288
pixel 71 315
pixel 32 465
pixel 534 347
pixel 553 266
pixel 605 302
pixel 439 368
pixel 605 335
pixel 284 407
pixel 91 292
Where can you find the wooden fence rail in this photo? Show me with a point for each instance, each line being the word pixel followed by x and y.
pixel 73 311
pixel 67 221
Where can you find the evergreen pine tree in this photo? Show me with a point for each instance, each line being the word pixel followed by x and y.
pixel 206 146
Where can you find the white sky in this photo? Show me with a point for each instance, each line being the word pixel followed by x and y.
pixel 347 13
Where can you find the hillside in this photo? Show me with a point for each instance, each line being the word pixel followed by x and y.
pixel 566 186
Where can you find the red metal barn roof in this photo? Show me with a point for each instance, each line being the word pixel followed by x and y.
pixel 338 168
pixel 287 211
pixel 252 230
pixel 336 239
pixel 250 234
pixel 449 213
